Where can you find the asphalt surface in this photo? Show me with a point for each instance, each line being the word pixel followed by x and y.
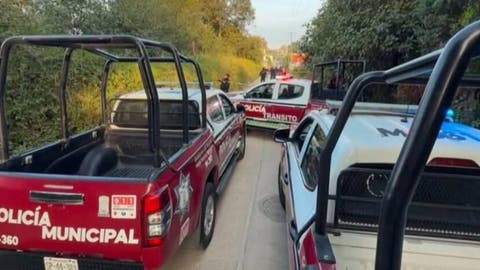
pixel 250 230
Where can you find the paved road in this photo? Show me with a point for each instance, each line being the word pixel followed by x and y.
pixel 250 231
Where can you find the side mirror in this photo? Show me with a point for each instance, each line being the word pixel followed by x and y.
pixel 281 135
pixel 240 108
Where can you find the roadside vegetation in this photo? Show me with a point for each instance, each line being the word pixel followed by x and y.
pixel 212 32
pixel 389 32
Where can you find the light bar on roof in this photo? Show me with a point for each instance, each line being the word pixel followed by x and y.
pixel 375 107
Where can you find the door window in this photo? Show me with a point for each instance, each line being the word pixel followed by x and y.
pixel 214 109
pixel 301 133
pixel 311 158
pixel 228 108
pixel 264 91
pixel 290 91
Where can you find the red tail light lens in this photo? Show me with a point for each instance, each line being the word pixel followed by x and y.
pixel 453 162
pixel 157 212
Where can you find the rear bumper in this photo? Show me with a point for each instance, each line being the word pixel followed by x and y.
pixel 13 260
pixel 265 124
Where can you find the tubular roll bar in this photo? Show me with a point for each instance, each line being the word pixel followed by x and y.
pixel 447 75
pixel 439 93
pixel 340 68
pixel 410 72
pixel 96 44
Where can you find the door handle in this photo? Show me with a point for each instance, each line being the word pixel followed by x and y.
pixel 285 178
pixel 292 230
pixel 56 197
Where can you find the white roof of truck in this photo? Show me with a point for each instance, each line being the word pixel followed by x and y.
pixel 173 94
pixel 377 137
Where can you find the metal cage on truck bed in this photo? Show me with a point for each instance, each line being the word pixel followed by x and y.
pixel 100 46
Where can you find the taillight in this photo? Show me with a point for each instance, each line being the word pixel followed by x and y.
pixel 157 212
pixel 453 162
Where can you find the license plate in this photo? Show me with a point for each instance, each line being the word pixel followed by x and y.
pixel 60 264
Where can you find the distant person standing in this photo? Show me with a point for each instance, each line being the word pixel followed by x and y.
pixel 263 74
pixel 273 73
pixel 225 83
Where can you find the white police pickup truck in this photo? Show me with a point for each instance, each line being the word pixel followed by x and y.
pixel 443 226
pixel 276 103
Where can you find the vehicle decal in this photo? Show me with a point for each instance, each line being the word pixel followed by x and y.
pixel 470 136
pixel 184 231
pixel 124 206
pixel 260 108
pixel 281 117
pixel 89 235
pixel 450 135
pixel 396 132
pixel 103 206
pixel 9 240
pixel 42 219
pixel 443 134
pixel 255 108
pixel 25 217
pixel 184 193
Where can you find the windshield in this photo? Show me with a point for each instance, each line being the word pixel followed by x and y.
pixel 133 113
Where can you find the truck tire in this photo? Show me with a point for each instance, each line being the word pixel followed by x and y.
pixel 281 195
pixel 243 144
pixel 207 218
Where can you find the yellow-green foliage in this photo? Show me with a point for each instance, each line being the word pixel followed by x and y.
pixel 84 104
pixel 242 71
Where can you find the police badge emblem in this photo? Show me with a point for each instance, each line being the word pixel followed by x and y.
pixel 183 191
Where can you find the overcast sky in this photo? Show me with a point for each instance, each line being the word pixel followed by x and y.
pixel 281 21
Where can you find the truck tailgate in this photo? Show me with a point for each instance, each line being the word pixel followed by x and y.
pixel 356 250
pixel 87 217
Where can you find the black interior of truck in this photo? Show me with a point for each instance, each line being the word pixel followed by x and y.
pixel 119 149
pixel 111 152
pixel 445 203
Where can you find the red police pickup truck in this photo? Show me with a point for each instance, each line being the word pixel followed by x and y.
pixel 125 194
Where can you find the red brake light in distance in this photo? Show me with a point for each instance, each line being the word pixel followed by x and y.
pixel 453 162
pixel 157 213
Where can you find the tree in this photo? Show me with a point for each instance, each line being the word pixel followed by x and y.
pixel 16 17
pixel 396 30
pixel 389 32
pixel 75 16
pixel 221 14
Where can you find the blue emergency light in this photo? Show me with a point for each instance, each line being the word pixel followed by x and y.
pixel 450 113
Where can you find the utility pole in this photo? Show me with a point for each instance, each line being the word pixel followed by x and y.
pixel 289 51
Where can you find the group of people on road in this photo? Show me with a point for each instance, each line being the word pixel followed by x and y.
pixel 273 71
